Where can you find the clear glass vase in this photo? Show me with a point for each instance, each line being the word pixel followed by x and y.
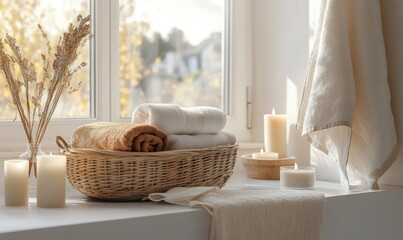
pixel 30 154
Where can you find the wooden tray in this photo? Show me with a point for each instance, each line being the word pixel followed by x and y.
pixel 265 169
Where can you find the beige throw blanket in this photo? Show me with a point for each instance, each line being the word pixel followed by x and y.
pixel 254 214
pixel 119 136
pixel 345 110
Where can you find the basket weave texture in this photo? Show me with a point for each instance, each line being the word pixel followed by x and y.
pixel 132 176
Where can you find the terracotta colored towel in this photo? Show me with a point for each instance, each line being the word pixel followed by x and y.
pixel 119 136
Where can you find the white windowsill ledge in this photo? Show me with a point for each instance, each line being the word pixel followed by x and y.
pixel 368 215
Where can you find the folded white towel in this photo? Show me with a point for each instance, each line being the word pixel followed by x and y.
pixel 173 119
pixel 345 110
pixel 176 142
pixel 254 214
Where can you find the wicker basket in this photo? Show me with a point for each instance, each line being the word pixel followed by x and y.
pixel 131 176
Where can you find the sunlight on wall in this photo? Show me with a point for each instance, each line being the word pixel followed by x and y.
pixel 292 101
pixel 296 145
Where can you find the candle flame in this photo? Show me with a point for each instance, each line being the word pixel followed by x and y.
pixel 295 167
pixel 273 112
pixel 261 150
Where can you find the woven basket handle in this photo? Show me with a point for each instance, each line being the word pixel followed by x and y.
pixel 62 143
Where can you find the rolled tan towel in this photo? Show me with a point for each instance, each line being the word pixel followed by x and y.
pixel 119 136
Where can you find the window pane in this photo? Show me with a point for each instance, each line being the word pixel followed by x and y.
pixel 19 18
pixel 170 52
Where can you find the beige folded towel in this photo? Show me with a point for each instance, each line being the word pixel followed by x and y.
pixel 254 214
pixel 119 136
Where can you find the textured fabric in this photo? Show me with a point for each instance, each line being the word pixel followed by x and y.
pixel 119 136
pixel 345 111
pixel 173 119
pixel 176 142
pixel 240 214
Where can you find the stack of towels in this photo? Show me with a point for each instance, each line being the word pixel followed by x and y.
pixel 158 127
pixel 186 127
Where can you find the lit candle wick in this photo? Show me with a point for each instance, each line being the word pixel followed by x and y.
pixel 295 167
pixel 265 155
pixel 273 112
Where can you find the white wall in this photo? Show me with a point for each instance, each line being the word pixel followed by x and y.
pixel 280 55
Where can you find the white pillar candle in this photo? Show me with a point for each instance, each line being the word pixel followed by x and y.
pixel 265 155
pixel 51 181
pixel 275 133
pixel 16 182
pixel 294 177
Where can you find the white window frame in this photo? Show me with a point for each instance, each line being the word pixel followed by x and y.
pixel 239 121
pixel 106 74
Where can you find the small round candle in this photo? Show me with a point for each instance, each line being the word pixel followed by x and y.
pixel 294 177
pixel 265 155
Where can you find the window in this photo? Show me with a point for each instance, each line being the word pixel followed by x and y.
pixel 20 19
pixel 170 51
pixel 135 57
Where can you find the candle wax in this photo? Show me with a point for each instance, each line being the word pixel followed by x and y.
pixel 16 182
pixel 294 177
pixel 275 133
pixel 265 155
pixel 51 181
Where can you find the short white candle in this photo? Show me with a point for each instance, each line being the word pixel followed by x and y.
pixel 275 133
pixel 16 182
pixel 51 181
pixel 294 177
pixel 265 155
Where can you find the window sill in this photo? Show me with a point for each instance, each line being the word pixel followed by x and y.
pixel 378 212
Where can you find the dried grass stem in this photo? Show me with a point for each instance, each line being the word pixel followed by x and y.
pixel 56 77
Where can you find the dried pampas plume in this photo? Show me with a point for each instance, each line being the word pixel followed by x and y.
pixel 28 92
